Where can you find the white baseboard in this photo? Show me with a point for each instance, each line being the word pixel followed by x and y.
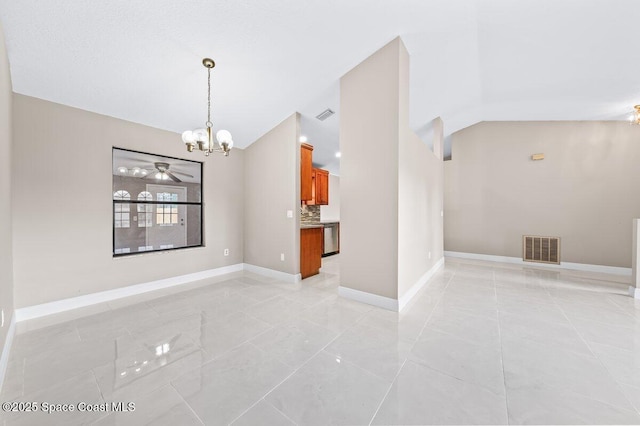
pixel 369 298
pixel 37 311
pixel 634 292
pixel 615 270
pixel 406 298
pixel 272 273
pixel 387 302
pixel 6 350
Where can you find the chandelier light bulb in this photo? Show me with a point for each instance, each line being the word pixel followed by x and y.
pixel 187 137
pixel 224 136
pixel 122 170
pixel 200 135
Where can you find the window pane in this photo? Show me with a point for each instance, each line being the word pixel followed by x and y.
pixel 170 235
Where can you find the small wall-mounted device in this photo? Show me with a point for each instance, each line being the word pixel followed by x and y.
pixel 536 157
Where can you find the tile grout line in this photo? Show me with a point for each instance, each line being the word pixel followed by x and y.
pixel 185 401
pixel 387 392
pixel 406 359
pixel 295 370
pixel 288 376
pixel 504 376
pixel 637 410
pixel 95 379
pixel 276 408
pixel 434 307
pixel 258 402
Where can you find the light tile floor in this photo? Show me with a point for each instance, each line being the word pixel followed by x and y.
pixel 482 343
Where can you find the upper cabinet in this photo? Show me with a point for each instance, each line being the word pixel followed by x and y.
pixel 306 172
pixel 314 183
pixel 322 187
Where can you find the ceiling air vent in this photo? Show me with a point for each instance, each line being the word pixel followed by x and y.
pixel 325 114
pixel 541 249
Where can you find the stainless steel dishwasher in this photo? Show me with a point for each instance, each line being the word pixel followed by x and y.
pixel 331 244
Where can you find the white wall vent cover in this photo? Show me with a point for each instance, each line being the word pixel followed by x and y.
pixel 541 249
pixel 325 114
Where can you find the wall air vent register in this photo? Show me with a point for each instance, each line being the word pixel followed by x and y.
pixel 325 114
pixel 541 249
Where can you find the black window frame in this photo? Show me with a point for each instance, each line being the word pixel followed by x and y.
pixel 137 202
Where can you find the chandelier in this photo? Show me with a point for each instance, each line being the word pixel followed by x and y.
pixel 203 138
pixel 635 116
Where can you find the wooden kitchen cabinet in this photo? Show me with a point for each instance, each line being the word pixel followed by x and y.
pixel 319 188
pixel 306 172
pixel 322 187
pixel 310 251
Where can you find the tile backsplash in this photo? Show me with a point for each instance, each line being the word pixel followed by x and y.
pixel 309 214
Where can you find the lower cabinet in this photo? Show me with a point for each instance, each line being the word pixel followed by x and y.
pixel 310 251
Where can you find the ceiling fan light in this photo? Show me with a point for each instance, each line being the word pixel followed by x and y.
pixel 159 176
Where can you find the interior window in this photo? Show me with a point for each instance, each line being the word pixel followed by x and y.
pixel 157 203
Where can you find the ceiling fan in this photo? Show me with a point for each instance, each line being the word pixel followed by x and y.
pixel 163 172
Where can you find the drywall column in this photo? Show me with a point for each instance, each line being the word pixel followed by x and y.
pixel 272 190
pixel 369 138
pixel 6 254
pixel 634 289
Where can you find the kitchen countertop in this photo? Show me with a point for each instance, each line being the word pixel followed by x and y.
pixel 320 224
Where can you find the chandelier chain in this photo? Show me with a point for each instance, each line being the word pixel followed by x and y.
pixel 209 98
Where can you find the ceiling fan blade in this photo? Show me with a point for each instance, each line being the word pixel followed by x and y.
pixel 183 174
pixel 172 176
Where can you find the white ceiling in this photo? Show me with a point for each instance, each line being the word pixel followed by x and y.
pixel 470 60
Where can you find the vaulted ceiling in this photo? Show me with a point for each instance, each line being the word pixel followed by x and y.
pixel 470 60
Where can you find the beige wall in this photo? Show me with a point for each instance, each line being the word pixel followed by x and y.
pixel 585 191
pixel 369 135
pixel 272 187
pixel 332 210
pixel 62 221
pixel 6 263
pixel 420 203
